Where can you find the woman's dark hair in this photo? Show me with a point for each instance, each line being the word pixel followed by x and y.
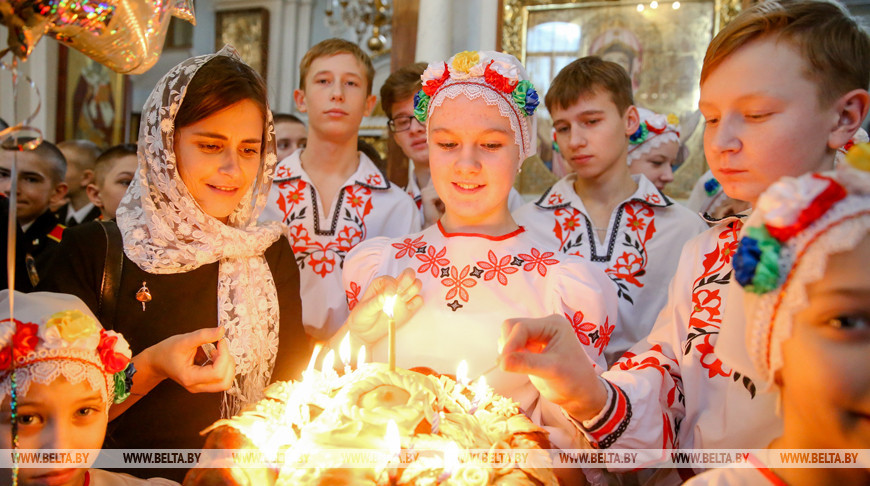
pixel 219 84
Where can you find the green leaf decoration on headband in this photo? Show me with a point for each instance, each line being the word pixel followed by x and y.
pixel 521 91
pixel 767 272
pixel 421 106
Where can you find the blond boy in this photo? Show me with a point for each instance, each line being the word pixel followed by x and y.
pixel 782 88
pixel 329 195
pixel 621 223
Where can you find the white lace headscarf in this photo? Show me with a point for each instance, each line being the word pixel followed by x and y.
pixel 56 335
pixel 497 78
pixel 784 247
pixel 654 131
pixel 166 232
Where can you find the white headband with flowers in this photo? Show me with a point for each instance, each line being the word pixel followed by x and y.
pixel 785 244
pixel 498 78
pixel 68 343
pixel 653 131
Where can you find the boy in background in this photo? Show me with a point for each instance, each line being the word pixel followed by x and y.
pixel 621 223
pixel 113 173
pixel 290 134
pixel 329 195
pixel 81 155
pixel 783 87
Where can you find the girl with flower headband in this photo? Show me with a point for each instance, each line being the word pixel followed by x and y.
pixel 476 266
pixel 654 148
pixel 68 372
pixel 806 332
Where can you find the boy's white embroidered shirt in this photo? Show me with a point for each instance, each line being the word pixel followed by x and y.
pixel 470 284
pixel 673 390
pixel 367 206
pixel 640 252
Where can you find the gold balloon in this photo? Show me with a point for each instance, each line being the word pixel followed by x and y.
pixel 125 35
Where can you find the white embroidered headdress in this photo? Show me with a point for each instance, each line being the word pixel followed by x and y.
pixel 54 335
pixel 166 232
pixel 654 131
pixel 499 79
pixel 784 247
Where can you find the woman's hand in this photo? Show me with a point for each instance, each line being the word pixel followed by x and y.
pixel 368 321
pixel 547 349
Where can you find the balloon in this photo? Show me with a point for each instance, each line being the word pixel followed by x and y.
pixel 125 35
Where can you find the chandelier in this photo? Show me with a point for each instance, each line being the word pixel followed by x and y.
pixel 370 19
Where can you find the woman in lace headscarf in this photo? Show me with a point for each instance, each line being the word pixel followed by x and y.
pixel 197 268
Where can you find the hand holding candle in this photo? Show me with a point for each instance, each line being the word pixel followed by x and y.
pixel 368 320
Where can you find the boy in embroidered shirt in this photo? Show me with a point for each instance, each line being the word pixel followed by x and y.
pixel 476 266
pixel 783 86
pixel 113 173
pixel 330 196
pixel 621 223
pixel 68 373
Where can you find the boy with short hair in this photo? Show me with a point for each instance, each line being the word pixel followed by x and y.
pixel 783 86
pixel 113 173
pixel 290 134
pixel 621 223
pixel 41 183
pixel 81 155
pixel 330 196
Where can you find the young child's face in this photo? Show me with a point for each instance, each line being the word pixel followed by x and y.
pixel 764 119
pixel 657 164
pixel 219 157
pixel 335 94
pixel 825 377
pixel 289 136
pixel 593 135
pixel 36 187
pixel 473 160
pixel 59 416
pixel 413 140
pixel 115 184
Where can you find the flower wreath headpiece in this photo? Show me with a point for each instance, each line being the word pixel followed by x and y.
pixel 653 131
pixel 498 78
pixel 784 246
pixel 54 335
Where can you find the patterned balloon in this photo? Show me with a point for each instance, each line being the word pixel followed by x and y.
pixel 125 35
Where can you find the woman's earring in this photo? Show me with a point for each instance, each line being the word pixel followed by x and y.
pixel 143 295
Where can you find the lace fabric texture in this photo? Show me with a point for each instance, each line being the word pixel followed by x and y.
pixel 47 365
pixel 166 232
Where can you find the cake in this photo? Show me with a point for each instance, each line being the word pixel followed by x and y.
pixel 327 412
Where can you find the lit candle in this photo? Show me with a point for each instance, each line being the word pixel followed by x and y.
pixel 344 353
pixel 394 445
pixel 361 356
pixel 314 355
pixel 389 304
pixel 327 366
pixel 462 374
pixel 481 392
pixel 451 462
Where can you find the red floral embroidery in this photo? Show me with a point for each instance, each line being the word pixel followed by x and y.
pixel 283 172
pixel 567 222
pixel 652 198
pixel 408 247
pixel 581 329
pixel 708 358
pixel 496 268
pixel 353 295
pixel 604 333
pixel 555 198
pixel 538 260
pixel 374 180
pixel 458 282
pixel 635 223
pixel 347 238
pixel 627 266
pixel 322 262
pixel 705 309
pixel 291 193
pixel 432 261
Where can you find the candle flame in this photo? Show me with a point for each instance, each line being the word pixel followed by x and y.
pixel 393 439
pixel 389 305
pixel 462 373
pixel 328 362
pixel 314 355
pixel 361 356
pixel 481 387
pixel 344 349
pixel 451 458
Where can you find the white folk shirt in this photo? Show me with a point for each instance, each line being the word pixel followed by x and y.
pixel 645 236
pixel 366 206
pixel 672 390
pixel 471 284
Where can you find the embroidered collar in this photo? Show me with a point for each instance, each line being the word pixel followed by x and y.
pixel 503 237
pixel 366 175
pixel 726 219
pixel 562 194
